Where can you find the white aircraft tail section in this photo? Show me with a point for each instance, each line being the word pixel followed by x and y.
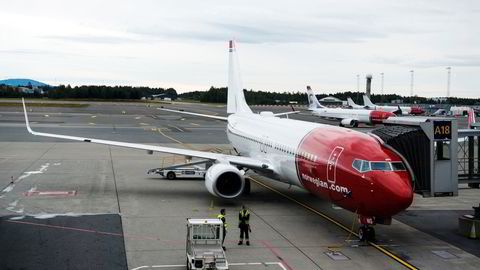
pixel 351 103
pixel 367 102
pixel 471 117
pixel 235 99
pixel 312 100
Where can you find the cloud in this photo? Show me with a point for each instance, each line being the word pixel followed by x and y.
pixel 94 39
pixel 265 32
pixel 450 60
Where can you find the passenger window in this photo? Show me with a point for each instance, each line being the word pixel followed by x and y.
pixel 380 166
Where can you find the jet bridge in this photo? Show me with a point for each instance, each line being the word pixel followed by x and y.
pixel 469 157
pixel 429 145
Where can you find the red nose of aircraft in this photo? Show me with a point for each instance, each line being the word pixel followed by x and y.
pixel 393 192
pixel 379 116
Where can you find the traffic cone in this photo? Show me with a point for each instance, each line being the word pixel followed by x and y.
pixel 473 233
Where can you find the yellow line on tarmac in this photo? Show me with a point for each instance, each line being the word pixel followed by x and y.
pixel 175 140
pixel 166 136
pixel 381 249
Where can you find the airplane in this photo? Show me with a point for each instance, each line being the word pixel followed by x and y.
pixel 397 109
pixel 353 105
pixel 347 117
pixel 354 170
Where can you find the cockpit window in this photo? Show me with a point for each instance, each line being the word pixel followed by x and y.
pixel 380 166
pixel 357 164
pixel 361 165
pixel 398 166
pixel 365 166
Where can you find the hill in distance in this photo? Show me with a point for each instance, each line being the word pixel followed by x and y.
pixel 22 82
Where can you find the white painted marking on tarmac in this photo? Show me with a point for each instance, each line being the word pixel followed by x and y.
pixel 138 117
pixel 179 129
pixel 8 188
pixel 42 169
pixel 13 203
pixel 230 264
pixel 17 218
pixel 12 209
pixel 56 164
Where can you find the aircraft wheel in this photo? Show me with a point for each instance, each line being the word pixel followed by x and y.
pixel 371 234
pixel 355 124
pixel 362 233
pixel 170 175
pixel 366 233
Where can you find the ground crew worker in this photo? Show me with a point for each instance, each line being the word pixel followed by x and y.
pixel 221 216
pixel 244 224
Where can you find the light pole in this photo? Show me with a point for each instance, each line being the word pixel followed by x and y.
pixel 411 82
pixel 358 82
pixel 448 81
pixel 381 83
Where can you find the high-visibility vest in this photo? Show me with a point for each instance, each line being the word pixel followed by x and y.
pixel 220 216
pixel 245 216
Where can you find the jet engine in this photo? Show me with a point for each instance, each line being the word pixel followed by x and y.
pixel 225 181
pixel 348 123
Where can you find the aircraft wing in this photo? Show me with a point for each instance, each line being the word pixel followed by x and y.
pixel 247 162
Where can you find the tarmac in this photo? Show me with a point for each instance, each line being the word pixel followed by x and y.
pixel 83 206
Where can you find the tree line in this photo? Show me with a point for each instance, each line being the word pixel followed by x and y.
pixel 213 95
pixel 88 92
pixel 219 95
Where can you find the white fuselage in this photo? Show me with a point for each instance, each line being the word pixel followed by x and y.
pixel 405 110
pixel 361 116
pixel 271 139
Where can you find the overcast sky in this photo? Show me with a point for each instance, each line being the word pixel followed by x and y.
pixel 282 45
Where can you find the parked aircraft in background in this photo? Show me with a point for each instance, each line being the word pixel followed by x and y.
pixel 347 117
pixel 396 109
pixel 472 122
pixel 352 169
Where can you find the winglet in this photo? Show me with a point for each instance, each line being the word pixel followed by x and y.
pixel 26 116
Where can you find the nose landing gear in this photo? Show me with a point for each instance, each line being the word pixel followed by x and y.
pixel 366 233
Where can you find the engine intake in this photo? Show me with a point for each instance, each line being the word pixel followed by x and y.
pixel 225 181
pixel 348 123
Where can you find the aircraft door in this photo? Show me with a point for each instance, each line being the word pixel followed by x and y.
pixel 332 164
